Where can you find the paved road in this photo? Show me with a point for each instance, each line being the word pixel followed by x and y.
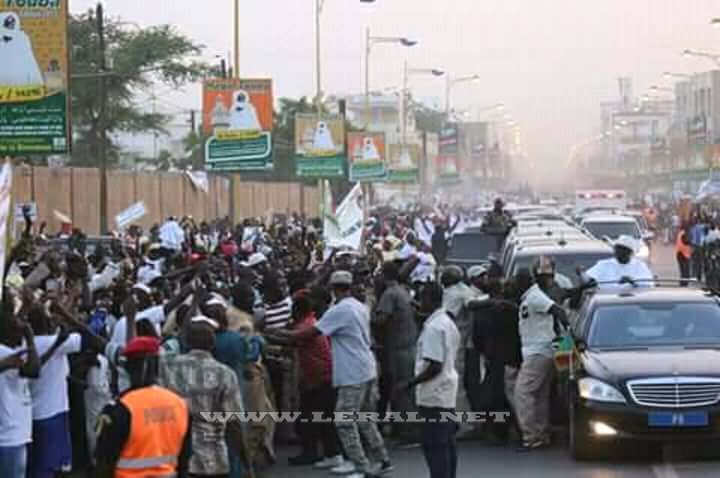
pixel 478 459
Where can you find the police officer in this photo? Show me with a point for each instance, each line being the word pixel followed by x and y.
pixel 146 432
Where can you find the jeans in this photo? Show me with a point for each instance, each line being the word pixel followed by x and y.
pixel 13 461
pixel 360 398
pixel 438 443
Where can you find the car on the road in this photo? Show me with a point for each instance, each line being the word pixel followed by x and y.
pixel 646 369
pixel 609 227
pixel 568 256
pixel 473 248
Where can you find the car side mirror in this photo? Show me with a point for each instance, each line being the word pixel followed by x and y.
pixel 648 236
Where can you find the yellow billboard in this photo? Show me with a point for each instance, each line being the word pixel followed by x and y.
pixel 33 77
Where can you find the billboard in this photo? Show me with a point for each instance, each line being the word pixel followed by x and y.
pixel 367 156
pixel 33 77
pixel 448 159
pixel 403 163
pixel 237 122
pixel 320 146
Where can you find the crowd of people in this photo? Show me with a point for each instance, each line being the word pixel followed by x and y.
pixel 112 356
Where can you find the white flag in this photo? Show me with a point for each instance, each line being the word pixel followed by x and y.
pixel 5 210
pixel 345 227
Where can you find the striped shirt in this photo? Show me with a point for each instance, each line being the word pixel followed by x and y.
pixel 278 315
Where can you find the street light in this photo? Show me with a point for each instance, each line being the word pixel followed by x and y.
pixel 406 73
pixel 659 88
pixel 669 75
pixel 450 82
pixel 369 41
pixel 702 54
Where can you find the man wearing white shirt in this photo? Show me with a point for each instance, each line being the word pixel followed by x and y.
pixel 15 399
pixel 51 451
pixel 436 381
pixel 623 270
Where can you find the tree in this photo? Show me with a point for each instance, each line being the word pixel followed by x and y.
pixel 136 60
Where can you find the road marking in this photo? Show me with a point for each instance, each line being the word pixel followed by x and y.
pixel 666 470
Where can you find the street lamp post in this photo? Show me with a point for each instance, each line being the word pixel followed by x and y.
pixel 451 82
pixel 715 57
pixel 369 41
pixel 406 73
pixel 236 28
pixel 669 75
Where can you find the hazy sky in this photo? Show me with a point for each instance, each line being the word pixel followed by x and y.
pixel 551 61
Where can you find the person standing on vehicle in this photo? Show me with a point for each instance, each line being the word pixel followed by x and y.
pixel 498 221
pixel 537 325
pixel 436 382
pixel 622 270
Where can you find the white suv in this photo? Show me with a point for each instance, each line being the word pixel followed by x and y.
pixel 609 227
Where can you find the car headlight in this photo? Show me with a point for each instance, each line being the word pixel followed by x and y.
pixel 593 389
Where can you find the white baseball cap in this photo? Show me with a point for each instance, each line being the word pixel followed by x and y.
pixel 627 242
pixel 256 259
pixel 477 271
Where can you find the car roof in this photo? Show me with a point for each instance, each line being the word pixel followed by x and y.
pixel 608 218
pixel 571 247
pixel 662 294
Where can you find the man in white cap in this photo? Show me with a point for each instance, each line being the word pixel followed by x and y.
pixel 354 377
pixel 621 271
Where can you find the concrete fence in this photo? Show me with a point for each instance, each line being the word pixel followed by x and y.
pixel 75 192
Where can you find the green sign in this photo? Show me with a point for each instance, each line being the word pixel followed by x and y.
pixel 251 153
pixel 34 127
pixel 320 167
pixel 402 176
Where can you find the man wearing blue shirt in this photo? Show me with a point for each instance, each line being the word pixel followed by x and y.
pixel 354 377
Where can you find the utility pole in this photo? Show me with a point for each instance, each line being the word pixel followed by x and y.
pixel 101 135
pixel 192 121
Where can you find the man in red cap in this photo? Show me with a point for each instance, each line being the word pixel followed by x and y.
pixel 146 432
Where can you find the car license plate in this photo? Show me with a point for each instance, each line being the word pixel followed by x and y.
pixel 678 419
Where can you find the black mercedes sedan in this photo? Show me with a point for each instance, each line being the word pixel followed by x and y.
pixel 647 369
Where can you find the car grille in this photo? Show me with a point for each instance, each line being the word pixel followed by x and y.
pixel 675 392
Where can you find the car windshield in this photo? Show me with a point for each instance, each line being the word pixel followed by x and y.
pixel 613 230
pixel 474 247
pixel 565 264
pixel 655 325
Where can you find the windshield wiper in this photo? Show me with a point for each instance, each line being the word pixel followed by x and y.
pixel 701 347
pixel 621 349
